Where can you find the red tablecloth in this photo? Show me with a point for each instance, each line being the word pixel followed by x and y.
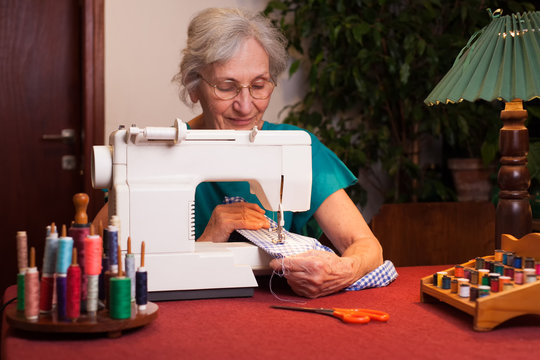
pixel 247 328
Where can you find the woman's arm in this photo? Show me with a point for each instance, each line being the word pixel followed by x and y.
pixel 318 273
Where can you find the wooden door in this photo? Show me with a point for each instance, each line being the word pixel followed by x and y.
pixel 44 97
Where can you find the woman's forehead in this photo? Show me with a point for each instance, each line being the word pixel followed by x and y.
pixel 249 62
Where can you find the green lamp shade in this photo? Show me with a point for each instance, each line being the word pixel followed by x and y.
pixel 501 61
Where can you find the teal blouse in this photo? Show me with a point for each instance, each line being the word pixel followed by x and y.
pixel 329 175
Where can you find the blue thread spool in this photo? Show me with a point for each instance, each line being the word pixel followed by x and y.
pixel 63 258
pixel 141 288
pixel 61 296
pixel 498 268
pixel 446 282
pixel 112 241
pixel 517 262
pixel 49 255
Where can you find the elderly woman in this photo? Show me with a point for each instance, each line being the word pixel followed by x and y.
pixel 230 67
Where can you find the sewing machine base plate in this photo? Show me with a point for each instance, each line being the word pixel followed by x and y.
pixel 200 294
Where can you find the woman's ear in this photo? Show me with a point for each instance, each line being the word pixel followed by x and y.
pixel 194 95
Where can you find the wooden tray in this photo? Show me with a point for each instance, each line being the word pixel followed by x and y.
pixel 101 323
pixel 494 309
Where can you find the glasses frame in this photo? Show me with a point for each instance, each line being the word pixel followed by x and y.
pixel 239 88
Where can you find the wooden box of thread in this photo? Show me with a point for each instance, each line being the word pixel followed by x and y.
pixel 492 288
pixel 83 287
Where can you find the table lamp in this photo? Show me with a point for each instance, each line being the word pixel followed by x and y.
pixel 502 61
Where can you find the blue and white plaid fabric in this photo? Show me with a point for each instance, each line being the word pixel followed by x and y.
pixel 295 244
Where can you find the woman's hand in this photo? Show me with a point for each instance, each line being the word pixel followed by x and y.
pixel 229 217
pixel 316 273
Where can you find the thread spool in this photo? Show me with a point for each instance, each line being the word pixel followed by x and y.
pixel 483 290
pixel 120 290
pixel 73 289
pixel 46 293
pixel 537 267
pixel 22 251
pixel 459 271
pixel 93 251
pixel 510 258
pixel 101 282
pixel 64 253
pixel 454 286
pixel 79 232
pixel 464 290
pixel 31 289
pixel 130 268
pixel 49 254
pixel 474 277
pixel 92 298
pixel 473 293
pixel 498 256
pixel 20 292
pixel 530 275
pixel 446 282
pixel 529 263
pixel 509 271
pixel 141 279
pixel 518 262
pixel 112 240
pixel 502 281
pixel 498 268
pixel 518 277
pixel 479 264
pixel 61 296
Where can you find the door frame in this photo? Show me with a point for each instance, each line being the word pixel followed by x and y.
pixel 93 92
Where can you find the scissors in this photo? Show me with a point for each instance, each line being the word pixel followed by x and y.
pixel 355 316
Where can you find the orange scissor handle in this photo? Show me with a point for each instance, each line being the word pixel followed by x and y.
pixel 348 316
pixel 371 314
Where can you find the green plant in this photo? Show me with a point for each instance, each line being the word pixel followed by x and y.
pixel 370 64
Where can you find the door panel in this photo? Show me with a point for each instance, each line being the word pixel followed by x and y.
pixel 40 94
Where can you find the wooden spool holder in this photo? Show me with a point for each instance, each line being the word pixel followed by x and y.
pixel 102 323
pixel 496 308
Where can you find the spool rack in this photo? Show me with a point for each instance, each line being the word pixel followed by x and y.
pixel 496 308
pixel 102 323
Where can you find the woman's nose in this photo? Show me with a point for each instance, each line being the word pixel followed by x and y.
pixel 243 102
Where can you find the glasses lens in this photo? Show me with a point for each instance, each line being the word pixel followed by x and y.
pixel 226 90
pixel 261 89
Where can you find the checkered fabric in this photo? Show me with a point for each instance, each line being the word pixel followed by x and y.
pixel 295 244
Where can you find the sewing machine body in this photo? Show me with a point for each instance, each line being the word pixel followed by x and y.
pixel 152 175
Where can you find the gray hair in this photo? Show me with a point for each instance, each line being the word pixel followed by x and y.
pixel 215 34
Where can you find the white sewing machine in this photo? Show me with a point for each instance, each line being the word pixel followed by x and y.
pixel 152 174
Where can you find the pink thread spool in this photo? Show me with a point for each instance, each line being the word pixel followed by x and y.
pixel 31 289
pixel 73 301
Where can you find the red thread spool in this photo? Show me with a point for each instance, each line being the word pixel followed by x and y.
pixel 46 293
pixel 73 303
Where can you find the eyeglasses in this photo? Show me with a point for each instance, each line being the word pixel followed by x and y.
pixel 259 89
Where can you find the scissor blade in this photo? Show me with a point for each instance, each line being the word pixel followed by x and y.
pixel 296 308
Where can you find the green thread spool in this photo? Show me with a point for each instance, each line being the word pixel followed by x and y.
pixel 120 295
pixel 20 292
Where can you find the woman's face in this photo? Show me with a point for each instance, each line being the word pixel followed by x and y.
pixel 242 112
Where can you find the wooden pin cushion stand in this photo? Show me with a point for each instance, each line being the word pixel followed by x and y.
pixel 492 310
